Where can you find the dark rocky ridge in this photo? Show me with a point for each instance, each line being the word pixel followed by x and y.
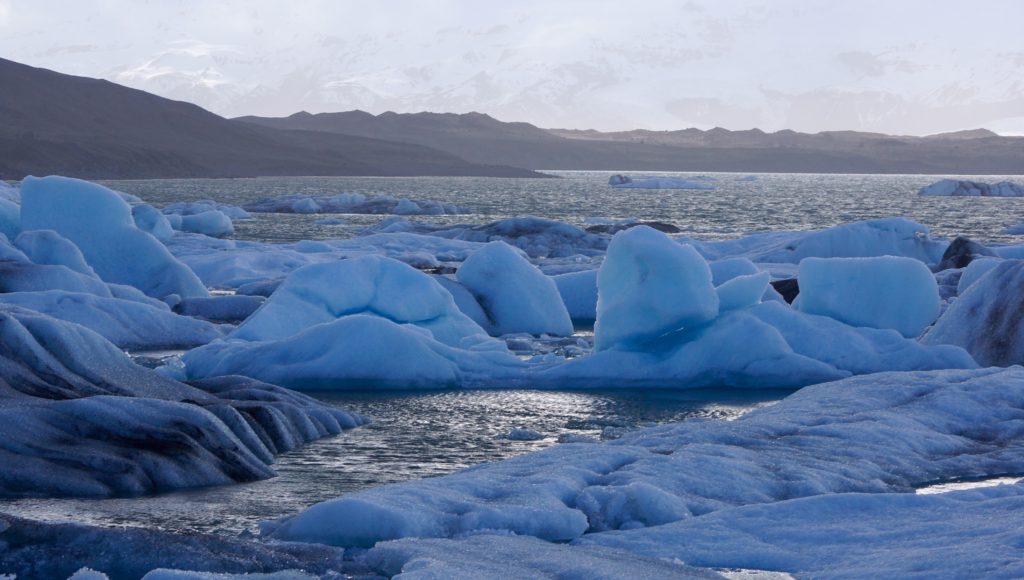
pixel 82 127
pixel 483 139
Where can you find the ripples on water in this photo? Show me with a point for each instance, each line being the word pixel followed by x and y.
pixel 414 435
pixel 774 202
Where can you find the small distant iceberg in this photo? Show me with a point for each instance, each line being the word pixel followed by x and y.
pixel 964 188
pixel 626 182
pixel 355 203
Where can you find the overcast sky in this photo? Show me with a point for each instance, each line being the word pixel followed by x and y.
pixel 895 66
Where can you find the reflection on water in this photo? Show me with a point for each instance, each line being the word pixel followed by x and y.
pixel 414 435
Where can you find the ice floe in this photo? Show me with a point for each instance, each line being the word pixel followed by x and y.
pixel 962 187
pixel 879 434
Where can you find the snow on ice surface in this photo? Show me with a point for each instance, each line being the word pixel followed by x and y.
pixel 885 292
pixel 356 203
pixel 649 286
pixel 100 223
pixel 967 534
pixel 986 318
pixel 883 433
pixel 516 296
pixel 507 556
pixel 959 187
pixel 78 418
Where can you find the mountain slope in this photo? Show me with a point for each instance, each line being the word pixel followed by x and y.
pixel 482 139
pixel 56 123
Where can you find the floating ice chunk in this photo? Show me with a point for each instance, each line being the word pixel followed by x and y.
pixel 370 284
pixel 962 187
pixel 538 237
pixel 625 182
pixel 579 293
pixel 149 219
pixel 515 294
pixel 47 247
pixel 724 270
pixel 10 218
pixel 78 418
pixel 466 302
pixel 354 351
pixel 886 292
pixel 880 237
pixel 127 324
pixel 24 276
pixel 205 205
pixel 649 286
pixel 407 207
pixel 742 291
pixel 986 318
pixel 209 223
pixel 352 203
pixel 100 223
pixel 781 348
pixel 304 205
pixel 9 192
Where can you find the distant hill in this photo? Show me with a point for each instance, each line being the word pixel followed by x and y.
pixel 56 123
pixel 481 139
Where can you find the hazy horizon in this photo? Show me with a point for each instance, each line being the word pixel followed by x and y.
pixel 917 68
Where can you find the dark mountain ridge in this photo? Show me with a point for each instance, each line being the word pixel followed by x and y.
pixel 56 123
pixel 482 139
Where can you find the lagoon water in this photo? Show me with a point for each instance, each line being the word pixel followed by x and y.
pixel 416 435
pixel 413 435
pixel 772 202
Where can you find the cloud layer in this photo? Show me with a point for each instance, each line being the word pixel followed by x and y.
pixel 912 67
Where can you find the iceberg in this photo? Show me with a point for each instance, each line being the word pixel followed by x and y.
pixel 885 292
pixel 962 187
pixel 626 182
pixel 343 324
pixel 126 323
pixel 100 223
pixel 212 223
pixel 864 239
pixel 649 286
pixel 516 296
pixel 355 203
pixel 78 418
pixel 985 319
